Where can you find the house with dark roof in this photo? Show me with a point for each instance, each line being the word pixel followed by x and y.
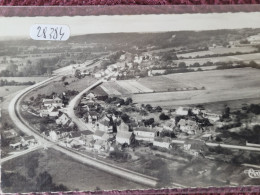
pixel 74 134
pixel 98 134
pixel 86 134
pixel 123 137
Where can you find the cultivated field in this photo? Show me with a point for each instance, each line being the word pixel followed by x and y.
pixel 125 87
pixel 244 57
pixel 220 85
pixel 221 50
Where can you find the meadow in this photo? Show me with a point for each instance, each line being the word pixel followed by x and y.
pixel 220 85
pixel 243 57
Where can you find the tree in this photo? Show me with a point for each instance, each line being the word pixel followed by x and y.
pixel 125 118
pixel 128 101
pixel 226 112
pixel 182 65
pixel 164 117
pixel 158 109
pixel 148 107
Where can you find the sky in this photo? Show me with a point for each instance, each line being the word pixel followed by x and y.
pixel 14 27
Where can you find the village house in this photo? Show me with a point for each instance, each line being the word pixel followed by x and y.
pixel 207 137
pixel 53 135
pixel 194 147
pixel 188 126
pixel 182 111
pixel 123 137
pixel 101 145
pixel 53 111
pixel 104 125
pixel 211 116
pixel 74 135
pixel 92 116
pixel 145 134
pixel 56 102
pixel 169 125
pixel 162 142
pixel 98 135
pixel 196 111
pixel 86 134
pixel 123 127
pixel 97 75
pixel 90 96
pixel 28 141
pixel 64 120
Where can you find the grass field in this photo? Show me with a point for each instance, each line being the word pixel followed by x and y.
pixel 7 90
pixel 220 85
pixel 244 57
pixel 58 86
pixel 66 171
pixel 24 79
pixel 218 51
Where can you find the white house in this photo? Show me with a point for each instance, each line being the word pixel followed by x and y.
pixel 63 120
pixel 53 136
pixel 182 111
pixel 97 75
pixel 123 137
pixel 162 142
pixel 53 111
pixel 144 133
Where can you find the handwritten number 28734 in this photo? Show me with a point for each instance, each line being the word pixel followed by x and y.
pixel 53 33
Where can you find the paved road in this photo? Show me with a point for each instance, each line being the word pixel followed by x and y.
pixel 74 102
pixel 14 112
pixel 20 154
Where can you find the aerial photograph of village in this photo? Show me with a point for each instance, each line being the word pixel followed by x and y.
pixel 130 110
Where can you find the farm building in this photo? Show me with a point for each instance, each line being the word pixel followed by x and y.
pixel 162 142
pixel 145 134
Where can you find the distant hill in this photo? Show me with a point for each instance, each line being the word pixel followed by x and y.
pixel 128 41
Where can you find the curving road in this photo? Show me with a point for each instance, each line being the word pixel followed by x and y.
pixel 23 125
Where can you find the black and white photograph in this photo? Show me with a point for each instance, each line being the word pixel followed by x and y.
pixel 129 101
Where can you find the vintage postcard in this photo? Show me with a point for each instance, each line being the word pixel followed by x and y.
pixel 129 101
